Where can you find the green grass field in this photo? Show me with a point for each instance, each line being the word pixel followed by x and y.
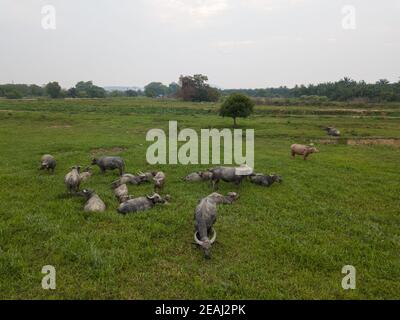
pixel 289 241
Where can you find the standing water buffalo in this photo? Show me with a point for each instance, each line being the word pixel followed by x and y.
pixel 94 203
pixel 264 180
pixel 141 203
pixel 159 181
pixel 72 180
pixel 110 163
pixel 229 174
pixel 47 162
pixel 205 216
pixel 305 151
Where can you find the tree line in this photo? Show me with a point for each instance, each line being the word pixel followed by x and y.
pixel 52 90
pixel 345 89
pixel 196 88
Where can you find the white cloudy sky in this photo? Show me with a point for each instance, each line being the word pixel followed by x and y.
pixel 237 43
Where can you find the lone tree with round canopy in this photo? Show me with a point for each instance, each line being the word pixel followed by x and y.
pixel 237 105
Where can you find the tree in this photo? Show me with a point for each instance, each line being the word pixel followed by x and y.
pixel 72 93
pixel 195 88
pixel 131 93
pixel 36 91
pixel 53 89
pixel 173 89
pixel 13 94
pixel 155 89
pixel 116 94
pixel 237 105
pixel 88 89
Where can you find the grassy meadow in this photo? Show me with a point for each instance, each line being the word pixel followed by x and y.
pixel 289 241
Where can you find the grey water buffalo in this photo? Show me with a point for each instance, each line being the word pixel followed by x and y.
pixel 141 203
pixel 146 176
pixel 303 150
pixel 121 193
pixel 86 174
pixel 193 177
pixel 110 163
pixel 72 179
pixel 128 178
pixel 48 162
pixel 332 131
pixel 205 217
pixel 264 180
pixel 159 181
pixel 229 174
pixel 198 176
pixel 93 201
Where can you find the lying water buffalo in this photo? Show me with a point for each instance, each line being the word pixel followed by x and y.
pixel 72 180
pixel 332 131
pixel 300 149
pixel 147 176
pixel 264 180
pixel 85 175
pixel 198 176
pixel 48 162
pixel 121 193
pixel 127 178
pixel 110 163
pixel 141 203
pixel 94 203
pixel 205 216
pixel 229 174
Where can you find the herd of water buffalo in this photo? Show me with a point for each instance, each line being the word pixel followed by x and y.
pixel 206 210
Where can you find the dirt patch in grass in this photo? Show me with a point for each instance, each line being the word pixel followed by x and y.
pixel 112 150
pixel 363 141
pixel 328 141
pixel 374 141
pixel 360 110
pixel 58 126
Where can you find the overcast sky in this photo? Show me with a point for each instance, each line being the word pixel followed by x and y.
pixel 237 43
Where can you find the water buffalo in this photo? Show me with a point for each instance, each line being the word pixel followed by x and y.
pixel 121 193
pixel 229 174
pixel 85 175
pixel 110 163
pixel 141 203
pixel 48 162
pixel 72 179
pixel 332 131
pixel 146 176
pixel 127 178
pixel 198 176
pixel 159 181
pixel 205 216
pixel 94 203
pixel 300 149
pixel 264 180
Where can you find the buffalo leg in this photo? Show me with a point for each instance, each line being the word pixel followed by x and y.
pixel 215 184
